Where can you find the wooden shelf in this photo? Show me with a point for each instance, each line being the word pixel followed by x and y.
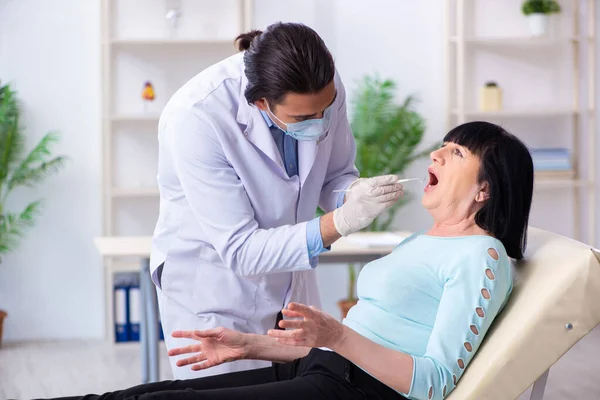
pixel 134 118
pixel 561 183
pixel 515 42
pixel 519 113
pixel 124 192
pixel 124 266
pixel 558 179
pixel 170 42
pixel 553 175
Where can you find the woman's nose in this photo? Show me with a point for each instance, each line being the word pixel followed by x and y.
pixel 437 156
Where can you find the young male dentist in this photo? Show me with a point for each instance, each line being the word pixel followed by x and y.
pixel 247 151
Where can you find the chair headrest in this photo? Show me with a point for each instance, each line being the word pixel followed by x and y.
pixel 553 305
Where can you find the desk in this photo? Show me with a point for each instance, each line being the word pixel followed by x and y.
pixel 137 247
pixel 346 250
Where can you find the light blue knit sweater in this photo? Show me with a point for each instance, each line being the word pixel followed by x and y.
pixel 433 298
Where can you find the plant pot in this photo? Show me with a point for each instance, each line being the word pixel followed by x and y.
pixel 3 315
pixel 345 306
pixel 538 24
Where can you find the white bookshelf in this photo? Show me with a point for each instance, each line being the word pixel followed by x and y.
pixel 136 39
pixel 575 34
pixel 138 45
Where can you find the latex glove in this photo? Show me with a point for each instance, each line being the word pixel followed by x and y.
pixel 368 198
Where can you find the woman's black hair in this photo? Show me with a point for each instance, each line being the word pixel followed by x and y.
pixel 286 57
pixel 507 166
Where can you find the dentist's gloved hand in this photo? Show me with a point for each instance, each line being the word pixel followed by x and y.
pixel 368 198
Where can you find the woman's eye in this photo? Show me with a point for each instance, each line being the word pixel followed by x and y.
pixel 457 152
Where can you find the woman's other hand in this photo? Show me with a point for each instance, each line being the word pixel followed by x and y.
pixel 215 346
pixel 311 328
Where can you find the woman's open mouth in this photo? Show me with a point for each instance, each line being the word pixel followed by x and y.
pixel 433 180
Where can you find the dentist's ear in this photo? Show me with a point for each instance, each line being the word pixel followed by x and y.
pixel 483 194
pixel 261 104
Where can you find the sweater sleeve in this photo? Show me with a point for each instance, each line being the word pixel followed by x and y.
pixel 475 290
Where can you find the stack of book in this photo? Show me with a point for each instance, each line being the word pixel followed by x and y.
pixel 552 163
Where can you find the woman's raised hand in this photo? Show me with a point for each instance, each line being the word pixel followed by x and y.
pixel 311 328
pixel 215 346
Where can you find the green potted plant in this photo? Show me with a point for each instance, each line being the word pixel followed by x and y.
pixel 17 170
pixel 387 135
pixel 537 12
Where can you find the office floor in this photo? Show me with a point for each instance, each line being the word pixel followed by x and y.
pixel 34 370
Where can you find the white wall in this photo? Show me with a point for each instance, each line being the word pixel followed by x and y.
pixel 49 51
pixel 400 40
pixel 52 285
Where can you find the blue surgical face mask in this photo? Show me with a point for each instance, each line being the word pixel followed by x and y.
pixel 310 129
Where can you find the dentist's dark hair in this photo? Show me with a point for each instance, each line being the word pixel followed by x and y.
pixel 507 167
pixel 285 58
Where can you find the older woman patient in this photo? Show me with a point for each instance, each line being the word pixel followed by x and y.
pixel 423 310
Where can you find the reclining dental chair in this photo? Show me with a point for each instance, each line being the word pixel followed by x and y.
pixel 555 302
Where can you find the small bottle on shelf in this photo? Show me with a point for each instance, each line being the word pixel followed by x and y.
pixel 490 97
pixel 147 95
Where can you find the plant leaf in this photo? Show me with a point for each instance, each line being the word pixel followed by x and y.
pixel 13 226
pixel 35 167
pixel 18 171
pixel 386 135
pixel 11 137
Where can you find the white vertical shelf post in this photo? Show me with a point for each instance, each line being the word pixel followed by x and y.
pixel 591 114
pixel 575 118
pixel 106 112
pixel 460 61
pixel 106 18
pixel 447 62
pixel 247 10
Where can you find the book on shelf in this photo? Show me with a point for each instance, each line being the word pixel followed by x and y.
pixel 555 174
pixel 551 160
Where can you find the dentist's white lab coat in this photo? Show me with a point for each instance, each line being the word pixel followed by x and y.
pixel 232 225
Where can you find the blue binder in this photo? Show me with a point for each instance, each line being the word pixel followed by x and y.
pixel 128 308
pixel 134 312
pixel 120 313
